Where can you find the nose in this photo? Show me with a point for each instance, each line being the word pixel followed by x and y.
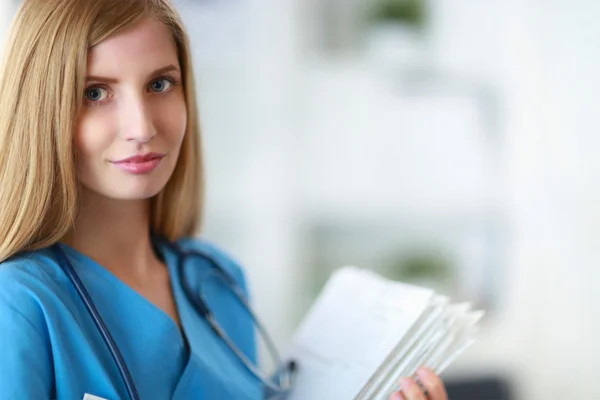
pixel 136 120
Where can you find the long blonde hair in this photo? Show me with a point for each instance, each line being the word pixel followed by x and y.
pixel 41 92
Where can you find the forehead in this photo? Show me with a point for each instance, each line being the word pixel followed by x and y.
pixel 145 44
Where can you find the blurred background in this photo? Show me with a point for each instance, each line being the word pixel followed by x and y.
pixel 448 143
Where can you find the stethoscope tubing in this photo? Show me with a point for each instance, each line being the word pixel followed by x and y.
pixel 277 388
pixel 85 297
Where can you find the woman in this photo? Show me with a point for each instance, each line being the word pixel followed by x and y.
pixel 101 189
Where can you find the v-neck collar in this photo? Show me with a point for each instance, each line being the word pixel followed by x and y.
pixel 120 288
pixel 206 367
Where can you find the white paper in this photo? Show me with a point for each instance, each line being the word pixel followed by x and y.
pixel 364 332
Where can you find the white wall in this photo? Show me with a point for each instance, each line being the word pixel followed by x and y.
pixel 7 9
pixel 565 38
pixel 245 59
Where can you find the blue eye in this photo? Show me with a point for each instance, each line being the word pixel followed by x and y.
pixel 95 94
pixel 161 85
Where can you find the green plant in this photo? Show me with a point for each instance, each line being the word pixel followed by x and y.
pixel 419 265
pixel 410 12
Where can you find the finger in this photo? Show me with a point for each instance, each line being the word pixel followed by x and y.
pixel 411 390
pixel 397 396
pixel 432 384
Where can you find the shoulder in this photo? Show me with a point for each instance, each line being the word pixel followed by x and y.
pixel 29 286
pixel 27 273
pixel 205 246
pixel 208 248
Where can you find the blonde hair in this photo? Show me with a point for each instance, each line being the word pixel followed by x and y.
pixel 42 85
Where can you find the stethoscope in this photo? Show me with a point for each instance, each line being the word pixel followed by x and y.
pixel 277 387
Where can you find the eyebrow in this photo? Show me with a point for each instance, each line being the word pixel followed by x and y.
pixel 159 71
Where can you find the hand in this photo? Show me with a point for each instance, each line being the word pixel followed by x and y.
pixel 429 387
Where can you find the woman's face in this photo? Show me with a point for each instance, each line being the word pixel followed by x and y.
pixel 134 117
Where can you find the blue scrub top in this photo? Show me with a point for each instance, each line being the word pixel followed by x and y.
pixel 50 348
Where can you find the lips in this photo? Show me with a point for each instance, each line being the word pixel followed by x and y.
pixel 140 158
pixel 139 163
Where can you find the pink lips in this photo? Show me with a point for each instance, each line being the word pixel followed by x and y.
pixel 139 164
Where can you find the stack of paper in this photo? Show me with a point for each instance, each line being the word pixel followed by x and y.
pixel 365 332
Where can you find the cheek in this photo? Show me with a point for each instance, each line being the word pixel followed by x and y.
pixel 171 121
pixel 92 136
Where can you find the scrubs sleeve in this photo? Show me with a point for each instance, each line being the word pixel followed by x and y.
pixel 25 367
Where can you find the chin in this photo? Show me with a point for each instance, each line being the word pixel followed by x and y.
pixel 137 193
pixel 140 190
pixel 136 196
pixel 128 188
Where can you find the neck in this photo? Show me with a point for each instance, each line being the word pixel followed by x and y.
pixel 115 233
